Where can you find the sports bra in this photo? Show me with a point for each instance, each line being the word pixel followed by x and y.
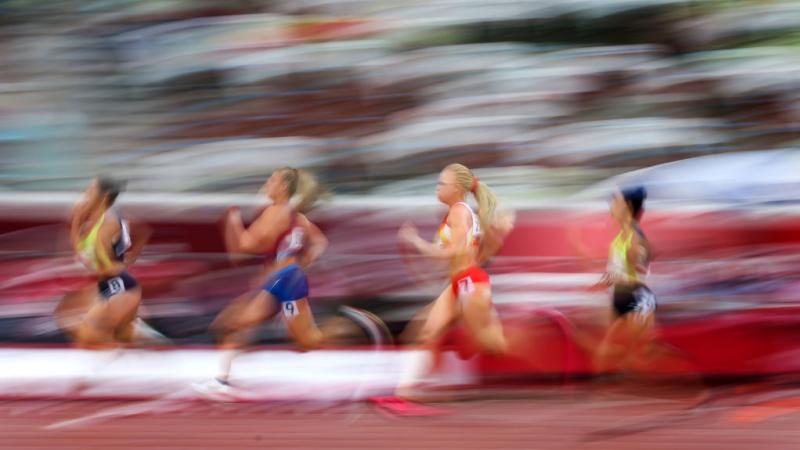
pixel 623 270
pixel 289 243
pixel 444 235
pixel 87 246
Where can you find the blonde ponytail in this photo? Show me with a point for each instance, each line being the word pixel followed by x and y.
pixel 304 190
pixel 308 191
pixel 495 224
pixel 487 205
pixel 469 182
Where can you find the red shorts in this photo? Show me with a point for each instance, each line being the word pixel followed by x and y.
pixel 463 283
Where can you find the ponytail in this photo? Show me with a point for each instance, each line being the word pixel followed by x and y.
pixel 308 191
pixel 634 197
pixel 494 226
pixel 487 205
pixel 304 190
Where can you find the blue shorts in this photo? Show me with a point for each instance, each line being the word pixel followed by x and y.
pixel 288 284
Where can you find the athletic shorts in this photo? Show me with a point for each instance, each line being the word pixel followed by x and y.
pixel 119 284
pixel 287 284
pixel 463 283
pixel 638 299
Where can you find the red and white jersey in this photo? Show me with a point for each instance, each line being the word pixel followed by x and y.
pixel 444 236
pixel 291 242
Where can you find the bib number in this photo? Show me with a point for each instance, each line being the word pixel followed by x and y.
pixel 465 287
pixel 115 286
pixel 290 309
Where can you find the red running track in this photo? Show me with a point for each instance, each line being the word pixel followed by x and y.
pixel 733 419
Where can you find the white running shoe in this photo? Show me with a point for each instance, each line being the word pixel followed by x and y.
pixel 215 390
pixel 148 334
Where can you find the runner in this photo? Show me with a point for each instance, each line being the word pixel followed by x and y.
pixel 292 243
pixel 633 303
pixel 466 240
pixel 105 315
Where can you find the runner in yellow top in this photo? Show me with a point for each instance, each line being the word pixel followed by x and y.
pixel 631 343
pixel 102 242
pixel 634 303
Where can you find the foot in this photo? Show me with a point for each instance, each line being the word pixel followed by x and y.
pixel 216 389
pixel 148 335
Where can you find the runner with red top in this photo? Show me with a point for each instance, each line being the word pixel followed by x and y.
pixel 466 240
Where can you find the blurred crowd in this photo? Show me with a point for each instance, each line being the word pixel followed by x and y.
pixel 543 97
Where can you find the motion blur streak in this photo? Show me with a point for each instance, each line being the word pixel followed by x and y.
pixel 555 105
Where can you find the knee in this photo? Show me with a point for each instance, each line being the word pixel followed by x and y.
pixel 423 338
pixel 310 341
pixel 492 343
pixel 89 337
pixel 223 327
pixel 489 336
pixel 431 336
pixel 218 329
pixel 236 338
pixel 124 334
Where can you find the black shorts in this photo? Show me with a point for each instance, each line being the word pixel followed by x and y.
pixel 637 299
pixel 112 286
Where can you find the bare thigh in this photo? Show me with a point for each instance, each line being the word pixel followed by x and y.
pixel 481 320
pixel 245 311
pixel 624 337
pixel 301 325
pixel 441 315
pixel 115 311
pixel 106 317
pixel 69 313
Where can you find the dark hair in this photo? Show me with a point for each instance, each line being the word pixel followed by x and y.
pixel 110 188
pixel 634 197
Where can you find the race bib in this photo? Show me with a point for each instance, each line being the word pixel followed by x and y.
pixel 290 309
pixel 465 287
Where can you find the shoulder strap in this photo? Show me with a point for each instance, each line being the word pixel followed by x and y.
pixel 474 228
pixel 466 205
pixel 280 238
